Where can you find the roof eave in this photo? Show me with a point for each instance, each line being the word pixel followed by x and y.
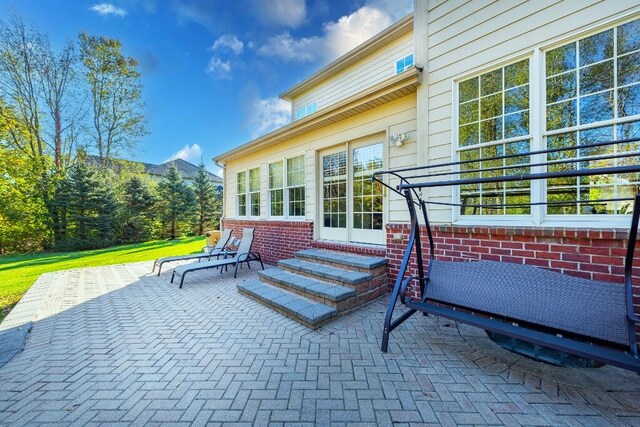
pixel 408 79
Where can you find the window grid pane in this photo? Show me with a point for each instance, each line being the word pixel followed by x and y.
pixel 334 187
pixel 594 79
pixel 494 111
pixel 367 195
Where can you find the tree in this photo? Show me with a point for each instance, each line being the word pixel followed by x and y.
pixel 205 198
pixel 116 95
pixel 176 202
pixel 23 214
pixel 136 213
pixel 37 83
pixel 91 209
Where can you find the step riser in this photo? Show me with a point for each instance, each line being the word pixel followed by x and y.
pixel 345 304
pixel 361 288
pixel 374 272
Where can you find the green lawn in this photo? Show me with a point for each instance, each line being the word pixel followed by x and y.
pixel 19 272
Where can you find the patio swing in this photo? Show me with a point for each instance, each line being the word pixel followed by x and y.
pixel 586 318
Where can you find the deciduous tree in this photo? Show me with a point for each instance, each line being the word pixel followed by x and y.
pixel 116 95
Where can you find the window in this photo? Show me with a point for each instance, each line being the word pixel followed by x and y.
pixel 295 185
pixel 276 193
pixel 306 110
pixel 242 193
pixel 286 188
pixel 590 93
pixel 493 120
pixel 334 187
pixel 590 81
pixel 404 64
pixel 254 191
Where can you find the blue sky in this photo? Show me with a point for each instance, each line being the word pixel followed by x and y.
pixel 212 69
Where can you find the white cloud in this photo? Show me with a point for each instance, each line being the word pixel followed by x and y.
pixel 190 153
pixel 108 9
pixel 219 68
pixel 287 13
pixel 267 115
pixel 339 36
pixel 287 48
pixel 228 42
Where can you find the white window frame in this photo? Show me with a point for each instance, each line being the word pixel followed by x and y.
pixel 305 111
pixel 238 194
pixel 538 135
pixel 282 188
pixel 287 186
pixel 405 67
pixel 249 193
pixel 285 190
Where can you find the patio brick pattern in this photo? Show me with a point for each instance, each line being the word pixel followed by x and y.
pixel 117 345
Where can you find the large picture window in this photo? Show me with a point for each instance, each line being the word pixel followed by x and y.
pixel 493 120
pixel 590 91
pixel 591 82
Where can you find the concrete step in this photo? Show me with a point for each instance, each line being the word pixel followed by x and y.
pixel 350 261
pixel 308 312
pixel 327 293
pixel 326 273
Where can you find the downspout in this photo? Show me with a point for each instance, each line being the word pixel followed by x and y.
pixel 224 192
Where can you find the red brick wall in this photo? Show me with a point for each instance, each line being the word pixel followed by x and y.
pixel 596 254
pixel 275 240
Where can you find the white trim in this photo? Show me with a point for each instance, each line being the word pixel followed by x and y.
pixel 285 189
pixel 538 132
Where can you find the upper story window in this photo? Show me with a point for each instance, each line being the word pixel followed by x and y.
pixel 306 110
pixel 286 188
pixel 404 64
pixel 590 93
pixel 241 193
pixel 254 191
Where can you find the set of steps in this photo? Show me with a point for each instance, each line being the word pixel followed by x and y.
pixel 318 285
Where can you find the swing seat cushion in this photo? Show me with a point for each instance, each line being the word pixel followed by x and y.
pixel 530 294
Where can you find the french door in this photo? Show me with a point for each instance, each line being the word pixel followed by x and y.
pixel 351 208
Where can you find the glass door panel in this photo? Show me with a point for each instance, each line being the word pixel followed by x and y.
pixel 334 196
pixel 367 196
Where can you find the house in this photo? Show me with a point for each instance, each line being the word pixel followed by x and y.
pixel 455 80
pixel 157 172
pixel 186 169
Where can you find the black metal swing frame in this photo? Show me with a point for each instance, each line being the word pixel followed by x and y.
pixel 412 180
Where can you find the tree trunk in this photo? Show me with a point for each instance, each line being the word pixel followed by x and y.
pixel 58 140
pixel 173 229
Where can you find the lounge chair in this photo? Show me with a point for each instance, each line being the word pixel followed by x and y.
pixel 217 250
pixel 242 254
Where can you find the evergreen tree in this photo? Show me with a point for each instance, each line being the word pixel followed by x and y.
pixel 176 202
pixel 91 209
pixel 205 197
pixel 136 213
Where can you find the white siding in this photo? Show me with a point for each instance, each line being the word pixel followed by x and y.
pixel 396 117
pixel 364 74
pixel 465 37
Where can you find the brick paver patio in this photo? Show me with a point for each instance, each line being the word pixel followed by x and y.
pixel 116 345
